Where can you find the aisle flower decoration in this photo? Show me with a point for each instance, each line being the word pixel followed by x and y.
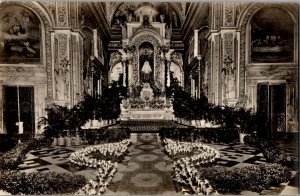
pixel 105 169
pixel 185 168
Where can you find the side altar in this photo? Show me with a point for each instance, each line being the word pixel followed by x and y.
pixel 144 64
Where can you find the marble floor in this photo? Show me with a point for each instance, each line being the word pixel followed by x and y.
pixel 146 170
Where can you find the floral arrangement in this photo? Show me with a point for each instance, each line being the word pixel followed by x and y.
pixel 207 154
pixel 105 169
pixel 187 174
pixel 185 168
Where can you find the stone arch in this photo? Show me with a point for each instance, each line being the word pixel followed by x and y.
pixel 151 36
pixel 148 35
pixel 47 24
pixel 243 24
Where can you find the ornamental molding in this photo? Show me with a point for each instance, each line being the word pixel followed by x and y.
pixel 146 36
pixel 229 15
pixel 228 45
pixel 61 14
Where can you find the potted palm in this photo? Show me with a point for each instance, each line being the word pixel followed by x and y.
pixel 76 119
pixel 55 123
pixel 245 122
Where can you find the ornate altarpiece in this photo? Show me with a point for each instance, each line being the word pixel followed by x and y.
pixel 150 101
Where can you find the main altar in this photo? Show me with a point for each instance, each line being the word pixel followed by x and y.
pixel 144 65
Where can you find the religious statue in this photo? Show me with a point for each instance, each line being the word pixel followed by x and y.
pixel 146 70
pixel 62 82
pixel 228 79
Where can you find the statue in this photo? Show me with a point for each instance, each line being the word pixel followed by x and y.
pixel 62 82
pixel 146 70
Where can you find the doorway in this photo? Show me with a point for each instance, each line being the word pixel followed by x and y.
pixel 18 105
pixel 271 109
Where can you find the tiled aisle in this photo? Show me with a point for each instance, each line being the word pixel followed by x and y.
pixel 146 169
pixel 148 172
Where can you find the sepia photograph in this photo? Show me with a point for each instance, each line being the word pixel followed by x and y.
pixel 149 98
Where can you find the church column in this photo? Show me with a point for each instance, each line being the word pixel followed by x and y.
pixel 196 42
pixel 199 76
pixel 168 73
pixel 229 56
pixel 225 42
pixel 66 44
pixel 124 73
pixel 168 60
pixel 100 84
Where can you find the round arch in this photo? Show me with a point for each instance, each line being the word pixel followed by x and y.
pixel 46 27
pixel 151 36
pixel 243 23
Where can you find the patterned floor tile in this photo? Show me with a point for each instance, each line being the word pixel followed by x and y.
pixel 71 167
pixel 147 170
pixel 34 163
pixel 256 160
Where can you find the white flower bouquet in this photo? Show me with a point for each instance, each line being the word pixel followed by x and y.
pixel 105 169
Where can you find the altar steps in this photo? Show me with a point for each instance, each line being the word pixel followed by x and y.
pixel 146 126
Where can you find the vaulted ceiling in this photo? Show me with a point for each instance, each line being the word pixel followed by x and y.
pixel 182 17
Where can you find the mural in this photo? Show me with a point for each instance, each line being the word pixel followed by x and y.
pixel 19 35
pixel 272 36
pixel 166 13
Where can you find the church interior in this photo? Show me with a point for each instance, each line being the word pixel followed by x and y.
pixel 149 98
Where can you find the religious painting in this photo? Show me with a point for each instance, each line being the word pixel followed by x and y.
pixel 19 35
pixel 146 52
pixel 272 36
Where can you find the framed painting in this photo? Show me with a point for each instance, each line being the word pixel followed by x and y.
pixel 19 36
pixel 272 36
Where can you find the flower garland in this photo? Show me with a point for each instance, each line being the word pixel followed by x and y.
pixel 105 169
pixel 185 170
